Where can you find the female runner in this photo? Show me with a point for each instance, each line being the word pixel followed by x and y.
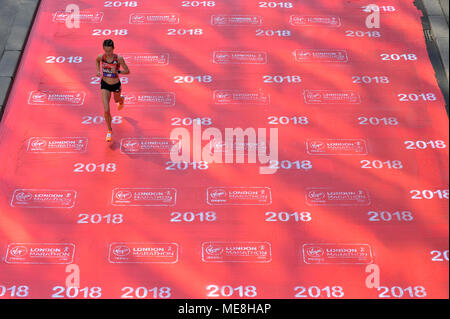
pixel 110 81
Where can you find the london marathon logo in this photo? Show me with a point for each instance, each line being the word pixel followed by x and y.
pixel 56 97
pixel 149 145
pixel 143 253
pixel 238 196
pixel 154 18
pixel 337 254
pixel 336 147
pixel 259 96
pixel 144 197
pixel 83 16
pixel 239 57
pixel 321 55
pixel 331 196
pixel 236 252
pixel 146 59
pixel 236 20
pixel 218 147
pixel 149 99
pixel 32 198
pixel 331 97
pixel 37 253
pixel 309 21
pixel 57 144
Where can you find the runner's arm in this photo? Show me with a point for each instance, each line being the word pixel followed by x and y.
pixel 126 70
pixel 97 62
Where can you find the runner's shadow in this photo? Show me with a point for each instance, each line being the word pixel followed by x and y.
pixel 159 159
pixel 134 123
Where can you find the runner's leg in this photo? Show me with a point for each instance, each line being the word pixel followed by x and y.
pixel 119 99
pixel 106 97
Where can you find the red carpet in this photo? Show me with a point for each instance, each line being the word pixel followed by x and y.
pixel 362 138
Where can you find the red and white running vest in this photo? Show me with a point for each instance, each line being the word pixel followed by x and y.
pixel 110 69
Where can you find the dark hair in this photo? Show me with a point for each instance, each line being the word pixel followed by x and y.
pixel 108 43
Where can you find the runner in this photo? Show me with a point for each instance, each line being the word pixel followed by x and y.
pixel 110 82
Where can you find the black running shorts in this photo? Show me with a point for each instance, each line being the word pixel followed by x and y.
pixel 113 88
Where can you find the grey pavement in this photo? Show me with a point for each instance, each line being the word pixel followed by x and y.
pixel 436 26
pixel 437 12
pixel 16 19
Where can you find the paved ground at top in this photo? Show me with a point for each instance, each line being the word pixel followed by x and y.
pixel 16 19
pixel 435 23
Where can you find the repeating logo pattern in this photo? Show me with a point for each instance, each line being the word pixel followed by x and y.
pixel 337 254
pixel 143 253
pixel 36 253
pixel 329 85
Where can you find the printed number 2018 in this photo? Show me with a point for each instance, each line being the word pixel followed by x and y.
pixel 228 291
pixel 74 292
pixel 276 4
pixel 91 167
pixel 398 292
pixel 439 255
pixel 429 194
pixel 195 4
pixel 118 4
pixel 14 291
pixel 397 57
pixel 63 59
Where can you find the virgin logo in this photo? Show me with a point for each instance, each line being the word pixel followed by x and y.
pixel 127 58
pixel 18 251
pixel 218 193
pixel 123 195
pixel 219 19
pixel 222 56
pixel 131 145
pixel 211 250
pixel 121 251
pixel 130 98
pixel 224 95
pixel 22 197
pixel 316 195
pixel 317 144
pixel 304 54
pixel 314 95
pixel 39 144
pixel 137 18
pixel 314 251
pixel 39 96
